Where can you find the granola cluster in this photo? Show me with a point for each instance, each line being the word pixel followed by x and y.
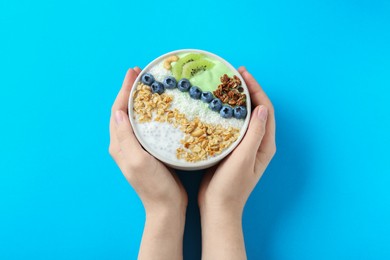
pixel 203 140
pixel 200 141
pixel 230 91
pixel 145 102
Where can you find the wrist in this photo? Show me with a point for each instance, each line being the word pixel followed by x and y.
pixel 162 213
pixel 164 227
pixel 173 205
pixel 222 235
pixel 163 233
pixel 226 208
pixel 160 210
pixel 221 216
pixel 167 217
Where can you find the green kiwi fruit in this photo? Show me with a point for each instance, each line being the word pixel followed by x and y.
pixel 177 68
pixel 194 67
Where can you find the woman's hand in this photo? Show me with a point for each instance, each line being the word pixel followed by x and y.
pixel 226 187
pixel 161 192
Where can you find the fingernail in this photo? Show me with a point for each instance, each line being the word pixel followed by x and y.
pixel 242 68
pixel 262 113
pixel 118 117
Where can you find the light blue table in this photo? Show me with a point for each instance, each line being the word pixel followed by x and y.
pixel 325 65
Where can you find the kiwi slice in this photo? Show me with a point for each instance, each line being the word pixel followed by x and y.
pixel 194 67
pixel 178 67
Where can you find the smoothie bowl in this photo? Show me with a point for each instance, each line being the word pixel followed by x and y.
pixel 189 109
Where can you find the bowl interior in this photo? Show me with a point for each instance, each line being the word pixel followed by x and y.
pixel 182 165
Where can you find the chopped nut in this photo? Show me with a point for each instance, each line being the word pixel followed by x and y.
pixel 197 132
pixel 197 149
pixel 232 102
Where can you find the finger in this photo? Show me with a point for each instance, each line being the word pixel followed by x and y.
pixel 241 69
pixel 268 147
pixel 122 99
pixel 137 69
pixel 114 148
pixel 251 142
pixel 126 139
pixel 257 94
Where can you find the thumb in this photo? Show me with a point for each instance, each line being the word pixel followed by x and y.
pixel 124 133
pixel 256 130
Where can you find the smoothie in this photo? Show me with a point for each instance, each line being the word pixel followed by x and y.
pixel 189 107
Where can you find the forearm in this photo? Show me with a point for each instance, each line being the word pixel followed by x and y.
pixel 163 235
pixel 222 236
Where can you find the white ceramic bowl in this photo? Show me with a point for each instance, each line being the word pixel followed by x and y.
pixel 182 165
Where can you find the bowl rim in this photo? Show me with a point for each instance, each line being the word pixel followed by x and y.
pixel 190 165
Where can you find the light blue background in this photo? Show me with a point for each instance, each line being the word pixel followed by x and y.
pixel 324 64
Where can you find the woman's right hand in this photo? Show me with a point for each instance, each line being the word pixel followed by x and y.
pixel 160 190
pixel 156 185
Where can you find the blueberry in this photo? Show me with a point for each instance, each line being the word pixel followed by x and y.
pixel 184 85
pixel 215 104
pixel 226 112
pixel 239 112
pixel 206 97
pixel 195 92
pixel 158 87
pixel 147 79
pixel 170 82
